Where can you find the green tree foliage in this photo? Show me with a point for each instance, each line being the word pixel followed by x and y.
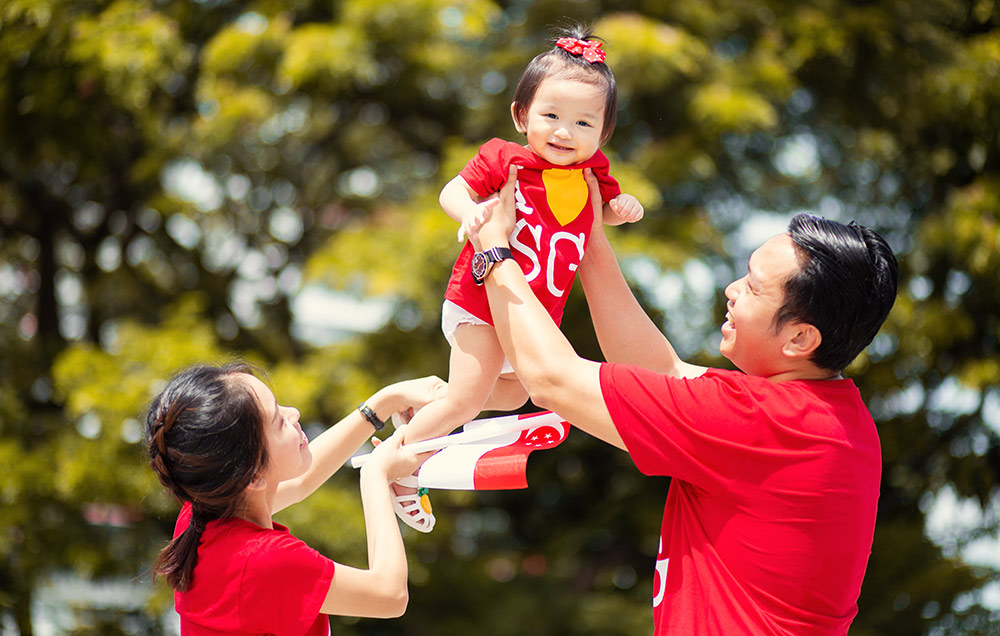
pixel 172 174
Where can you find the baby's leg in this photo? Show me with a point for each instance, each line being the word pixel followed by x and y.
pixel 476 361
pixel 508 394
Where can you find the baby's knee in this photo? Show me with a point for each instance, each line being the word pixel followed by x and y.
pixel 510 402
pixel 459 410
pixel 508 395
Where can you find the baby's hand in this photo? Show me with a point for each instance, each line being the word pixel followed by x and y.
pixel 476 218
pixel 626 207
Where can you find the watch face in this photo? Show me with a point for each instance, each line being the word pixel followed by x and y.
pixel 479 263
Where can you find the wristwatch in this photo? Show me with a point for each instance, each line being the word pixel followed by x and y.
pixel 482 262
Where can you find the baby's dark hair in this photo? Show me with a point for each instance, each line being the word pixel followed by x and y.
pixel 205 438
pixel 558 62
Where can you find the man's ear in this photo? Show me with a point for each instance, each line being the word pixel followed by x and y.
pixel 802 340
pixel 517 123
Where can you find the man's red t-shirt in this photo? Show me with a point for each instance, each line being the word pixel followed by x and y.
pixel 252 580
pixel 770 515
pixel 554 219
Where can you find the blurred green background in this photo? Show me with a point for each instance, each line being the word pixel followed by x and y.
pixel 184 181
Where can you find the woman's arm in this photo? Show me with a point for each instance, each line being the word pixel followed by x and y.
pixel 336 444
pixel 380 591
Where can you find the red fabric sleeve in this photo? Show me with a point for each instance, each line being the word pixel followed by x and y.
pixel 487 171
pixel 284 585
pixel 608 185
pixel 696 429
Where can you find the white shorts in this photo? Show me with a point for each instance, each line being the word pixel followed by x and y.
pixel 452 316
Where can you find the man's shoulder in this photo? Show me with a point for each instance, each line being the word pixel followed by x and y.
pixel 744 387
pixel 626 377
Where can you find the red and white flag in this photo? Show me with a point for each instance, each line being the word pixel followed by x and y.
pixel 498 462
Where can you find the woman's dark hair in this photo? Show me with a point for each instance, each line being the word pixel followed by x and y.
pixel 558 62
pixel 205 437
pixel 845 286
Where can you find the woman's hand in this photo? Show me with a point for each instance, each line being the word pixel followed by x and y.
pixel 391 460
pixel 408 396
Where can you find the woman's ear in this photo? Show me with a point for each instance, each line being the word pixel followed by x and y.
pixel 259 482
pixel 517 122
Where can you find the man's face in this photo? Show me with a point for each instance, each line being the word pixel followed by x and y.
pixel 748 336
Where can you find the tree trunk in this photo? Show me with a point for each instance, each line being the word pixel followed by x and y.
pixel 47 307
pixel 22 610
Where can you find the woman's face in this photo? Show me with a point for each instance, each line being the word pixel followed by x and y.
pixel 287 446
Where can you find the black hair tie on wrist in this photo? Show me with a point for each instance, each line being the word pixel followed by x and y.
pixel 369 414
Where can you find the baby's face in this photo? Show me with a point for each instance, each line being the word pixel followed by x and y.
pixel 565 121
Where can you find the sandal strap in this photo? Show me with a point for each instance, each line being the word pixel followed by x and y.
pixel 404 505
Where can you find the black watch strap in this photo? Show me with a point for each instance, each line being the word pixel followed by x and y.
pixel 369 414
pixel 483 262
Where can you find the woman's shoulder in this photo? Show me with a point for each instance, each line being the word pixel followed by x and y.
pixel 183 518
pixel 226 542
pixel 277 543
pixel 279 553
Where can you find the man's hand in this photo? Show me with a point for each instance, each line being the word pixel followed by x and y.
pixel 496 228
pixel 594 189
pixel 480 214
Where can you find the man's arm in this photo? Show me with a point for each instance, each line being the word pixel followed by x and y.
pixel 555 377
pixel 624 330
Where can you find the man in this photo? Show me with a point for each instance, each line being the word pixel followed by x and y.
pixel 770 515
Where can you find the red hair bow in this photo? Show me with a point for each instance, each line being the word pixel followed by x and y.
pixel 589 49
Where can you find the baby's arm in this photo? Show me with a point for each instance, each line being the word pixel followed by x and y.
pixel 624 208
pixel 460 202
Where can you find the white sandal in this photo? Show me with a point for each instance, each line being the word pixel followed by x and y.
pixel 415 508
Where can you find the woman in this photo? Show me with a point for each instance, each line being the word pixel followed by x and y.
pixel 219 440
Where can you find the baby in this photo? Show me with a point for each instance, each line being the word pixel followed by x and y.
pixel 565 103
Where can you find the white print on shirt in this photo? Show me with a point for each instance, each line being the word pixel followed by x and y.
pixel 559 236
pixel 532 253
pixel 536 233
pixel 660 582
pixel 520 202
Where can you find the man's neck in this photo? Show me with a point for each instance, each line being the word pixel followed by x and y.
pixel 813 373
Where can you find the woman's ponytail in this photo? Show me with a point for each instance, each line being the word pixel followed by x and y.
pixel 205 440
pixel 177 560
